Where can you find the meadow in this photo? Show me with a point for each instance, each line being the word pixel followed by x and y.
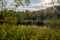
pixel 28 33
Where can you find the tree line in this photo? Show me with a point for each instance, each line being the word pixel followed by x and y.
pixel 50 16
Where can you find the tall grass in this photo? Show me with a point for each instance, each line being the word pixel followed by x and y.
pixel 13 32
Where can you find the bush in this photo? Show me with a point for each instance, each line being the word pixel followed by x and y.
pixel 53 23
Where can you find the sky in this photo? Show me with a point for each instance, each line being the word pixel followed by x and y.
pixel 37 5
pixel 33 6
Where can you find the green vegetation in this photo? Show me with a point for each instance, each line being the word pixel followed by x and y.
pixel 20 25
pixel 13 32
pixel 26 25
pixel 48 17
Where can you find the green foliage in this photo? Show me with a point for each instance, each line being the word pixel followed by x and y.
pixel 11 20
pixel 9 17
pixel 2 34
pixel 10 31
pixel 28 33
pixel 53 23
pixel 19 2
pixel 20 16
pixel 27 17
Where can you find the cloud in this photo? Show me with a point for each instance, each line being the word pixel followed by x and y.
pixel 34 6
pixel 37 5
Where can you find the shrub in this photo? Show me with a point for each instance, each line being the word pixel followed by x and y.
pixel 53 23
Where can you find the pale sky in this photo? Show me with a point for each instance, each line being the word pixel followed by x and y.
pixel 34 6
pixel 37 5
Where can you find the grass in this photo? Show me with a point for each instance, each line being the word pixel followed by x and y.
pixel 28 33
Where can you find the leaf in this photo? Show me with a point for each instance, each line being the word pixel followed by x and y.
pixel 19 2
